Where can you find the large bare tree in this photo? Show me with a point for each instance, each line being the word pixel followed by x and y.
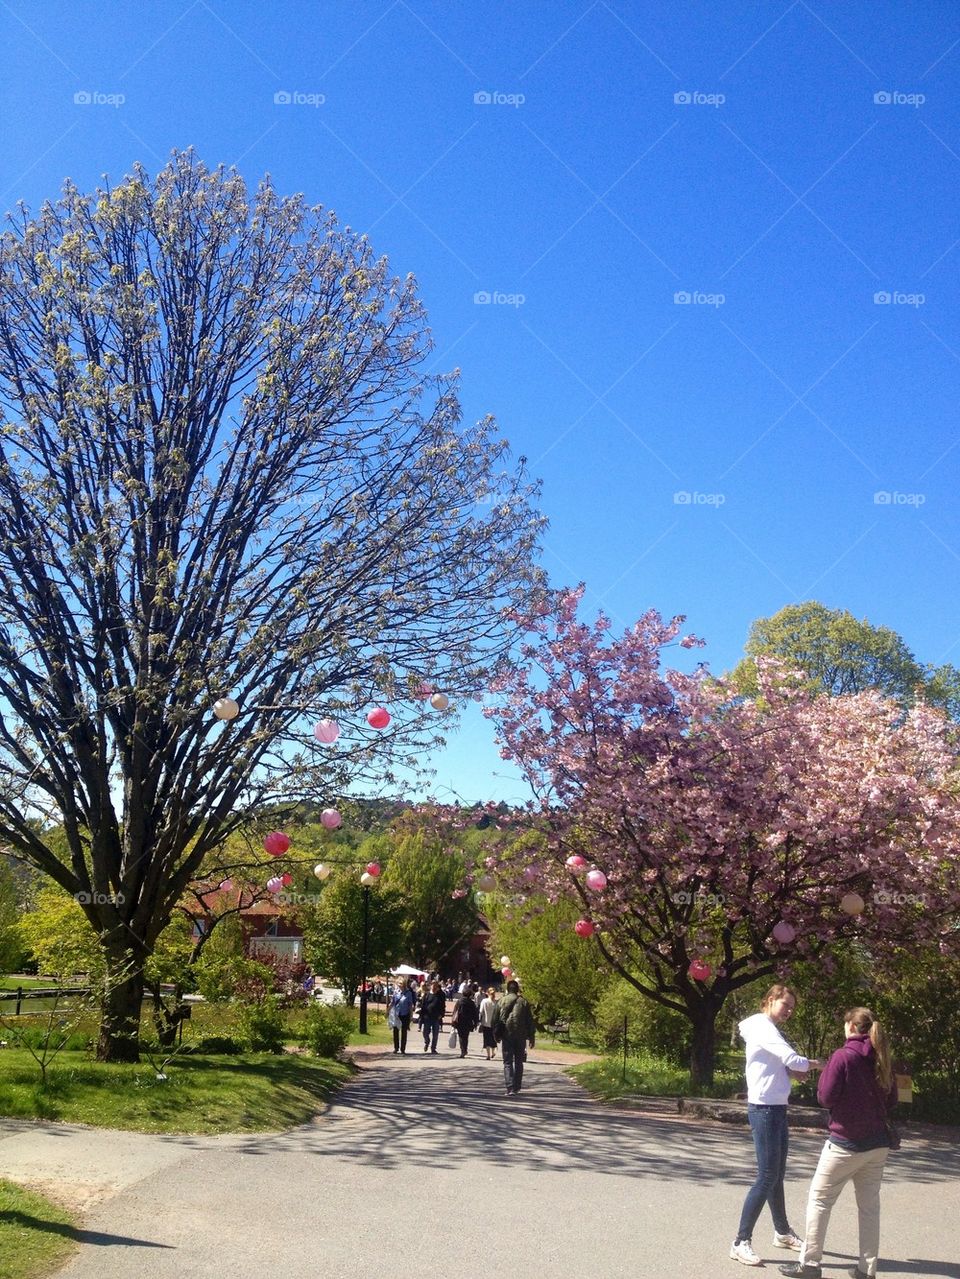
pixel 224 472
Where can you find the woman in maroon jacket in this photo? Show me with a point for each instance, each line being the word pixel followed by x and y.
pixel 858 1088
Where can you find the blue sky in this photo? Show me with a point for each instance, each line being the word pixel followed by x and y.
pixel 720 246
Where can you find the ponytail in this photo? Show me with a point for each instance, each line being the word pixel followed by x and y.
pixel 865 1023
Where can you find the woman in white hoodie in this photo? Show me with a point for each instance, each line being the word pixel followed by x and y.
pixel 771 1064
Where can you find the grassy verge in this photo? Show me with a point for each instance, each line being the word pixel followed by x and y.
pixel 648 1076
pixel 251 1092
pixel 36 1236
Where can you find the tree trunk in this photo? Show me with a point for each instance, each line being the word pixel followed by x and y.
pixel 120 1008
pixel 703 1050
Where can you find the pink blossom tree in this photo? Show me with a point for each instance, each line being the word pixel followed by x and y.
pixel 729 830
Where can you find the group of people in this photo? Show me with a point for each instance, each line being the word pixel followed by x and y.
pixel 505 1022
pixel 857 1086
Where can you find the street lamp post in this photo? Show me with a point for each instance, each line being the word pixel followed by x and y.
pixel 366 946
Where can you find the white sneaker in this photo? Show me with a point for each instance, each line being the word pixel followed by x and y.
pixel 789 1240
pixel 743 1251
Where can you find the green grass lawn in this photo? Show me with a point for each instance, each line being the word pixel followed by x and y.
pixel 36 1236
pixel 28 983
pixel 251 1092
pixel 649 1076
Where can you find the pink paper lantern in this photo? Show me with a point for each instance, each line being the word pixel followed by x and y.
pixel 699 970
pixel 274 884
pixel 378 717
pixel 784 932
pixel 373 869
pixel 225 885
pixel 583 928
pixel 507 973
pixel 425 690
pixel 576 863
pixel 596 881
pixel 286 880
pixel 326 731
pixel 330 819
pixel 276 843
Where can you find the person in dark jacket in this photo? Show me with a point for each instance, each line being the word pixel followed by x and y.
pixel 514 1028
pixel 465 1018
pixel 859 1090
pixel 432 1007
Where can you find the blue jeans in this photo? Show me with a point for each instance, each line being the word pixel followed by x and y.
pixel 769 1127
pixel 431 1031
pixel 513 1052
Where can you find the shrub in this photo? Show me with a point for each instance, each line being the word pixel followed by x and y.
pixel 326 1029
pixel 222 1045
pixel 262 1026
pixel 650 1027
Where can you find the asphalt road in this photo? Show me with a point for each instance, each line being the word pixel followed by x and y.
pixel 422 1167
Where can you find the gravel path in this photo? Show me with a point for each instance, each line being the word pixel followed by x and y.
pixel 422 1165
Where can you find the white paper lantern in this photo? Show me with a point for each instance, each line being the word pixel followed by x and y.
pixel 226 708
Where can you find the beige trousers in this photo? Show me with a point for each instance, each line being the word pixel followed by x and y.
pixel 835 1169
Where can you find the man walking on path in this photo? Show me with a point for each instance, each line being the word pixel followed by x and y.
pixel 513 1026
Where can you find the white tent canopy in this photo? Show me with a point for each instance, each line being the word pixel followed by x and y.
pixel 406 971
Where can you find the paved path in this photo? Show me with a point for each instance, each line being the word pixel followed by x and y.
pixel 422 1168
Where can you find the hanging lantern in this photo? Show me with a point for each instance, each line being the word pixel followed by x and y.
pixel 699 970
pixel 576 863
pixel 274 884
pixel 852 904
pixel 373 868
pixel 530 873
pixel 225 885
pixel 424 689
pixel 784 932
pixel 226 708
pixel 276 843
pixel 439 701
pixel 504 961
pixel 584 928
pixel 379 717
pixel 330 819
pixel 367 879
pixel 507 973
pixel 596 880
pixel 321 871
pixel 286 879
pixel 326 731
pixel 486 883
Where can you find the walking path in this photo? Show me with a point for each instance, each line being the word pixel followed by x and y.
pixel 422 1166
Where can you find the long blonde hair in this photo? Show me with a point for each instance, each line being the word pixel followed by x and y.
pixel 775 992
pixel 865 1023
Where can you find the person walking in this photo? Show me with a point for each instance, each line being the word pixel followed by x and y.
pixel 514 1028
pixel 465 1017
pixel 432 1008
pixel 859 1089
pixel 488 1008
pixel 771 1064
pixel 401 1010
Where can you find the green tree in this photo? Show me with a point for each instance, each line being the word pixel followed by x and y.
pixel 224 473
pixel 333 932
pixel 426 872
pixel 11 946
pixel 842 654
pixel 562 977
